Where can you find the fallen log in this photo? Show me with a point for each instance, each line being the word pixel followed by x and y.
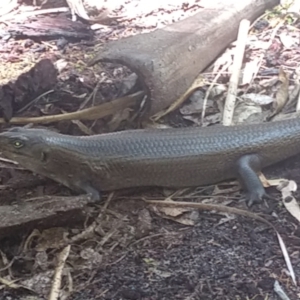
pixel 42 213
pixel 49 28
pixel 168 60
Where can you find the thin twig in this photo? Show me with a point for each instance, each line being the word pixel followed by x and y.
pixel 91 113
pixel 55 289
pixel 234 79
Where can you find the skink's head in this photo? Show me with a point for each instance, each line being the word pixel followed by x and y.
pixel 25 146
pixel 39 150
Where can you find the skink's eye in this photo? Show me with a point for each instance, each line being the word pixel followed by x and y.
pixel 18 144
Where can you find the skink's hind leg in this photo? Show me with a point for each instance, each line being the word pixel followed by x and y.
pixel 247 168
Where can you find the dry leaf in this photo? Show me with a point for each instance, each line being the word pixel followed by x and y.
pixel 225 191
pixel 217 90
pixel 224 59
pixel 51 238
pixel 174 211
pixel 273 182
pixel 198 82
pixel 249 71
pixel 144 223
pixel 289 201
pixel 41 260
pixel 127 84
pixel 60 65
pixel 195 104
pixel 162 274
pixel 282 94
pixel 91 256
pixel 183 220
pixel 267 83
pixel 287 40
pixel 118 118
pixel 177 214
pixel 212 119
pixel 243 111
pixel 294 92
pixel 292 206
pixel 40 283
pixel 257 99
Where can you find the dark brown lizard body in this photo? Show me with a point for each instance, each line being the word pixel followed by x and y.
pixel 165 157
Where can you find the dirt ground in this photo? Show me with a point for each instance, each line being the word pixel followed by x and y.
pixel 137 251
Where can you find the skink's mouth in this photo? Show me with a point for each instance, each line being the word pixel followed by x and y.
pixel 13 155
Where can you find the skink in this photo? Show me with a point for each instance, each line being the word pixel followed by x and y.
pixel 156 157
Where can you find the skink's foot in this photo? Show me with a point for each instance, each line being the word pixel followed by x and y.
pixel 94 197
pixel 256 196
pixel 93 194
pixel 247 168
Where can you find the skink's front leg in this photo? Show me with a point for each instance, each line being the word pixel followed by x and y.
pixel 247 168
pixel 91 192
